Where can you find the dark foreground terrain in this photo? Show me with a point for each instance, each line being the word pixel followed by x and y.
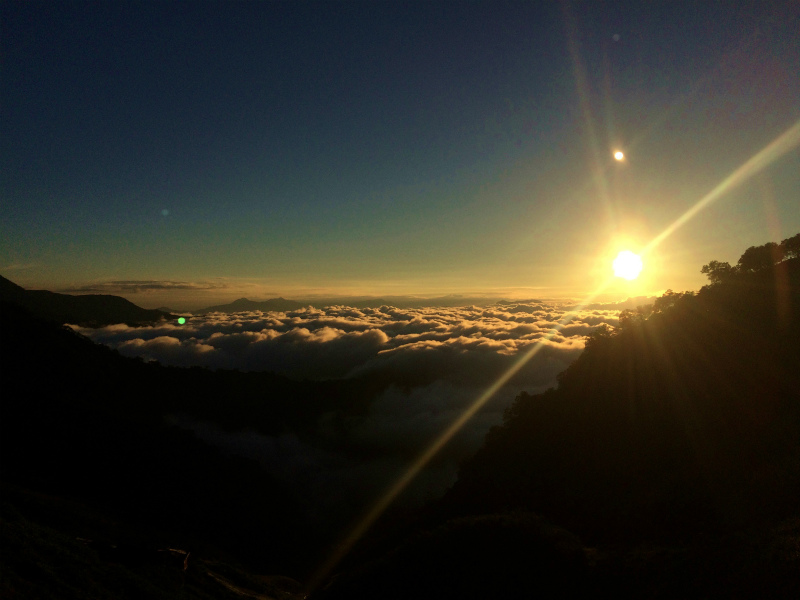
pixel 666 464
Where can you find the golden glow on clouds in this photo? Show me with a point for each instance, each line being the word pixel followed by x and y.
pixel 627 265
pixel 373 514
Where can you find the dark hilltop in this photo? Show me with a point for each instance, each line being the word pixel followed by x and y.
pixel 91 310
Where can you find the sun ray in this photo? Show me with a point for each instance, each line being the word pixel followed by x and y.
pixel 598 165
pixel 372 515
pixel 785 142
pixel 772 152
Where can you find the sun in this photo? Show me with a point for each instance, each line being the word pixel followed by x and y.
pixel 619 156
pixel 627 265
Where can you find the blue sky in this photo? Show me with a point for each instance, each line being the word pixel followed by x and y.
pixel 294 148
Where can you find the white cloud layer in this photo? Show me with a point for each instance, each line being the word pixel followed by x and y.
pixel 430 363
pixel 466 343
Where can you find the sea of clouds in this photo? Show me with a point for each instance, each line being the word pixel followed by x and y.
pixel 431 364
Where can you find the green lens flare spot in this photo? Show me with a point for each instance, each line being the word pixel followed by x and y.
pixel 181 320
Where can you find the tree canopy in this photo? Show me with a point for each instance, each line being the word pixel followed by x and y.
pixel 753 260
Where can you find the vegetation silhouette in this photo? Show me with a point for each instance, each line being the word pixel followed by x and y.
pixel 685 417
pixel 670 449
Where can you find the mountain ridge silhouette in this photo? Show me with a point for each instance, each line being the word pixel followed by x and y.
pixel 91 310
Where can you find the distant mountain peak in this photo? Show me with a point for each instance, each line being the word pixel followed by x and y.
pixel 242 304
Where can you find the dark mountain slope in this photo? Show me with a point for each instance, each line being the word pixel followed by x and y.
pixel 37 354
pixel 93 310
pixel 686 419
pixel 665 465
pixel 78 420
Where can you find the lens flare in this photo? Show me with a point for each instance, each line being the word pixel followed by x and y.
pixel 785 142
pixel 772 152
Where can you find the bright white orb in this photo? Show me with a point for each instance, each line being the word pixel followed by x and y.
pixel 627 265
pixel 619 155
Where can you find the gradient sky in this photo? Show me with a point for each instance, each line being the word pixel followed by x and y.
pixel 186 153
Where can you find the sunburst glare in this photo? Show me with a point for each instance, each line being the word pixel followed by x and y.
pixel 627 265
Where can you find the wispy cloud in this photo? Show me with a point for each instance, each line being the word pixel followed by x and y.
pixel 19 266
pixel 142 286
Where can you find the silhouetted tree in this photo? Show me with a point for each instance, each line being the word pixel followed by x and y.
pixel 670 299
pixel 756 258
pixel 718 272
pixel 791 246
pixel 601 334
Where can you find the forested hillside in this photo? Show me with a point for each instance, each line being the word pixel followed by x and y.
pixel 669 452
pixel 687 417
